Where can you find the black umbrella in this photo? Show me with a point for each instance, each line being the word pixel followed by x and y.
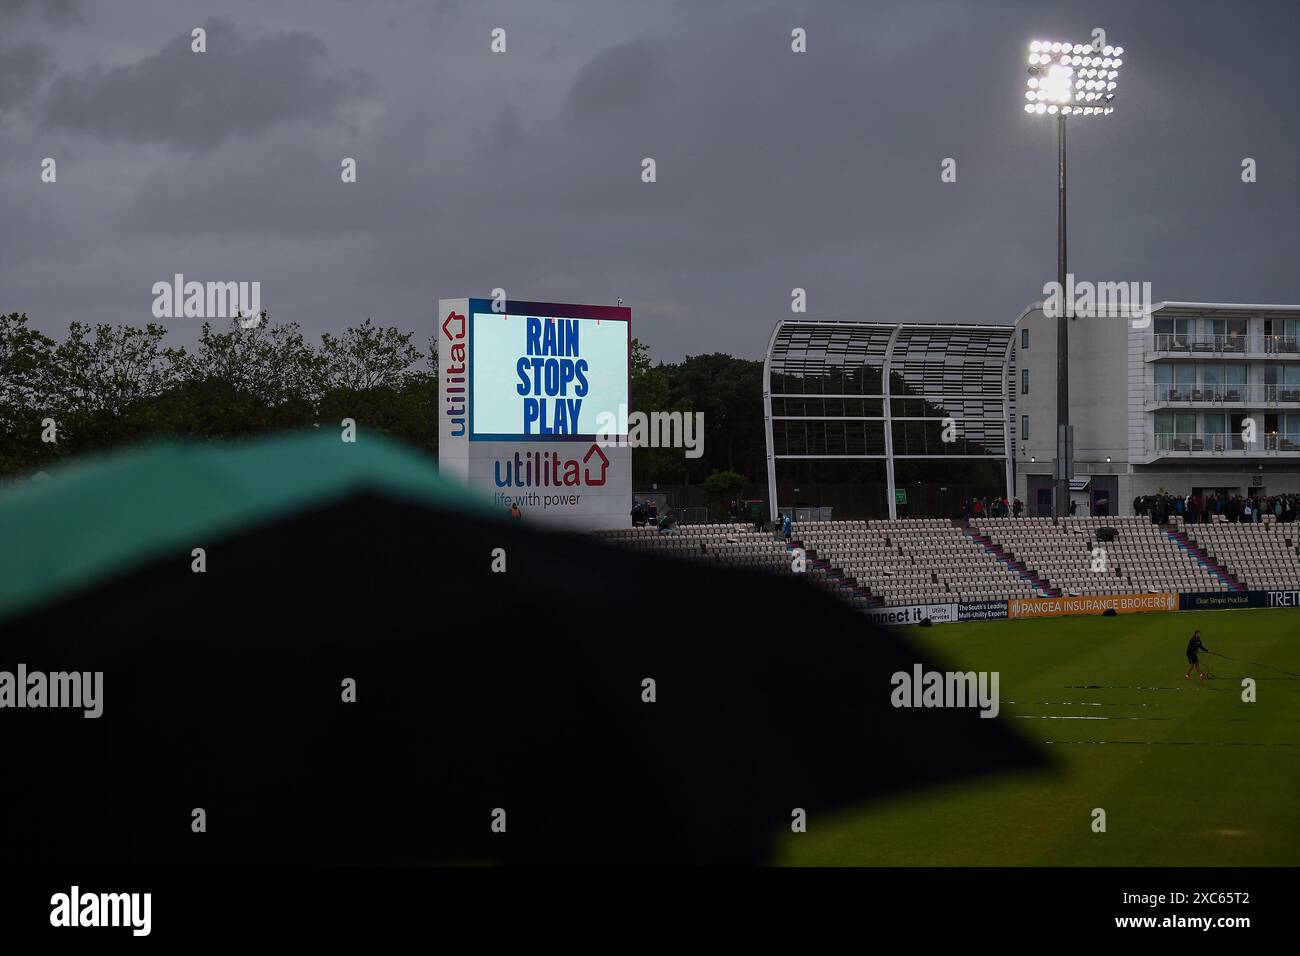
pixel 483 696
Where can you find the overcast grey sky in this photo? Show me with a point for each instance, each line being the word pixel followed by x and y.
pixel 522 170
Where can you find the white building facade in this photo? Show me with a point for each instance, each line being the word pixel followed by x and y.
pixel 1205 397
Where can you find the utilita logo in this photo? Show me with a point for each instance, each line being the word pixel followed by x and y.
pixel 453 376
pixel 547 469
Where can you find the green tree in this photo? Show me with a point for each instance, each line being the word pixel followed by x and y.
pixel 26 373
pixel 728 392
pixel 101 379
pixel 271 362
pixel 650 387
pixel 649 384
pixel 368 356
pixel 372 375
pixel 26 358
pixel 105 369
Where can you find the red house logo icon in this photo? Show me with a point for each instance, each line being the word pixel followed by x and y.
pixel 604 465
pixel 460 334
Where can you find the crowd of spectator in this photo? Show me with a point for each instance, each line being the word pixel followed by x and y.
pixel 1193 509
pixel 994 507
pixel 1201 509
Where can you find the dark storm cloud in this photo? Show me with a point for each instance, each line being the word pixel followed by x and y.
pixel 443 12
pixel 23 68
pixel 775 170
pixel 618 81
pixel 241 86
pixel 54 11
pixel 285 184
pixel 755 150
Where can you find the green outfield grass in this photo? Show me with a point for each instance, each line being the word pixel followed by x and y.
pixel 1186 793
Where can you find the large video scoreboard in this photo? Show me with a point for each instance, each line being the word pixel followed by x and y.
pixel 527 388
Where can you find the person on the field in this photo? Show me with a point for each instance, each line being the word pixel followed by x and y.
pixel 1194 662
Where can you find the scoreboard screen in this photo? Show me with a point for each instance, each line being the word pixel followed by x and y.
pixel 544 375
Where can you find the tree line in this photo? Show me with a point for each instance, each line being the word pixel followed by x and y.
pixel 106 386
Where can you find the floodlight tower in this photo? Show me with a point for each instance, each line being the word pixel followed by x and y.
pixel 1068 79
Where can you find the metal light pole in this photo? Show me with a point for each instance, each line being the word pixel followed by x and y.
pixel 1064 434
pixel 1068 80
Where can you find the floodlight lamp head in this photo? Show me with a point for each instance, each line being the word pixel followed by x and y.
pixel 1068 73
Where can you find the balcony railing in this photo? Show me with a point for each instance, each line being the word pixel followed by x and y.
pixel 1235 344
pixel 1218 443
pixel 1243 395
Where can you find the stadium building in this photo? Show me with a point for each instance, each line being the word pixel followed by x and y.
pixel 878 433
pixel 874 420
pixel 1163 408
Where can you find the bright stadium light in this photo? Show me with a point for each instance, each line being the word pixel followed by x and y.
pixel 1068 79
pixel 1062 69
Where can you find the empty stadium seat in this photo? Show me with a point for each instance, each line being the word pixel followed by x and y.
pixel 913 560
pixel 1261 556
pixel 934 561
pixel 1067 555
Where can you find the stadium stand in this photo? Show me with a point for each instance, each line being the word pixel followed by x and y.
pixel 1067 554
pixel 914 561
pixel 934 561
pixel 1260 556
pixel 733 544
